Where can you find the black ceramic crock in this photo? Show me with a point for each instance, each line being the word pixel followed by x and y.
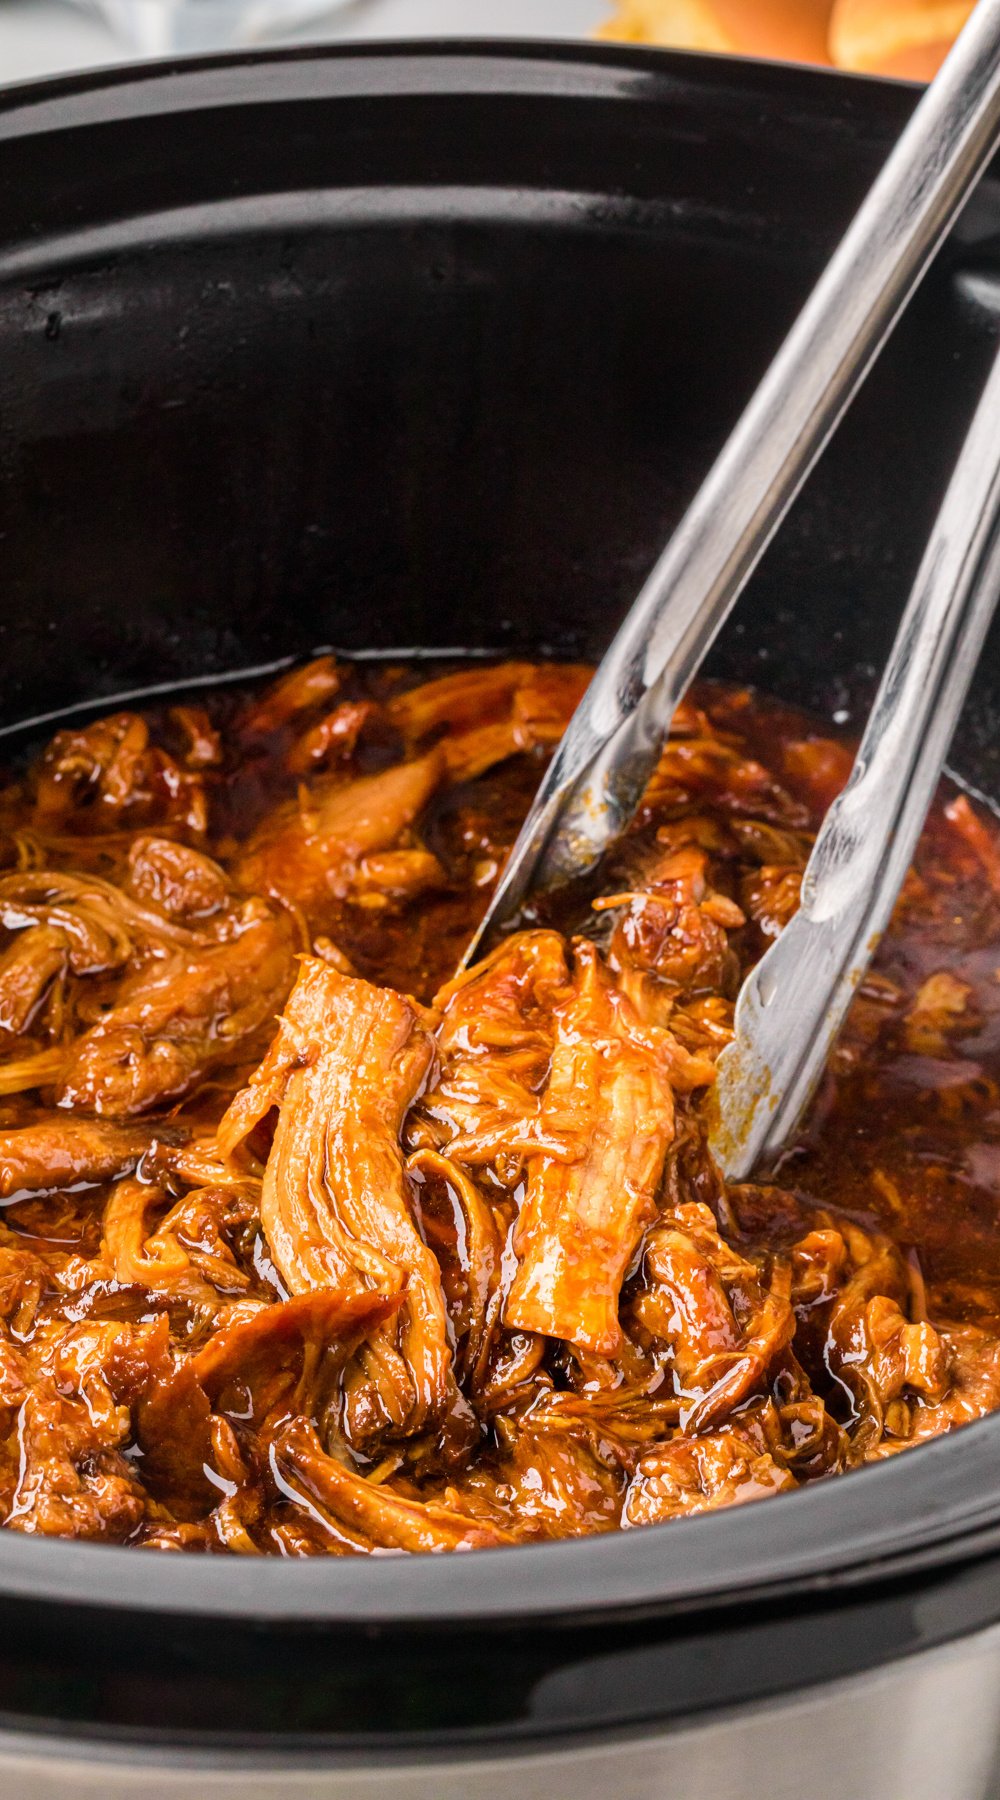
pixel 426 347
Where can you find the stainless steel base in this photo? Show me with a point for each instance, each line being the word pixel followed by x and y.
pixel 924 1729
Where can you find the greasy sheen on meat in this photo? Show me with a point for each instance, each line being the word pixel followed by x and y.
pixel 604 1127
pixel 347 1063
pixel 310 1246
pixel 175 1018
pixel 312 849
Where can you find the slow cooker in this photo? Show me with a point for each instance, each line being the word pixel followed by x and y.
pixel 425 348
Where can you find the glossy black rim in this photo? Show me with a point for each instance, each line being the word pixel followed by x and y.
pixel 914 1513
pixel 838 108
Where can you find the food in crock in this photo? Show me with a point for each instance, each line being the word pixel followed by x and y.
pixel 309 1246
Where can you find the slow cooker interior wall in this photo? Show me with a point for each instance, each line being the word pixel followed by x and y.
pixel 416 413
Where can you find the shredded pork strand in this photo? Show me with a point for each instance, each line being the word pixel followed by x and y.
pixel 310 851
pixel 179 1016
pixel 347 1063
pixel 604 1127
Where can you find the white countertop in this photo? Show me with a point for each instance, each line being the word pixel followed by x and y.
pixel 48 37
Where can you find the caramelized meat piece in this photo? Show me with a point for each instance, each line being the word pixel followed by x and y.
pixel 201 1224
pixel 363 1516
pixel 539 713
pixel 248 1354
pixel 492 713
pixel 309 851
pixel 696 1475
pixel 174 1432
pixel 770 897
pixel 505 1002
pixel 478 1251
pixel 89 919
pixel 458 701
pixel 73 1480
pixel 348 1061
pixel 260 1368
pixel 606 1122
pixel 976 836
pixel 677 926
pixel 67 927
pixel 28 967
pixel 852 1287
pixel 684 1302
pixel 334 737
pixel 478 696
pixel 300 691
pixel 702 766
pixel 396 875
pixel 177 1019
pixel 819 767
pixel 102 923
pixel 548 1484
pixel 24 1280
pixel 494 1045
pixel 137 1259
pixel 182 882
pixel 695 1285
pixel 971 1385
pixel 110 772
pixel 903 1355
pixel 64 1152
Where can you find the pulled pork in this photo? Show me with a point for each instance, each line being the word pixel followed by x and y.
pixel 310 1247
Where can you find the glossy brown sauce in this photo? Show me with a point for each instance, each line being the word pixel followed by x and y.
pixel 456 1269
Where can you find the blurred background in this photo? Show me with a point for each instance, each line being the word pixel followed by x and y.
pixel 905 38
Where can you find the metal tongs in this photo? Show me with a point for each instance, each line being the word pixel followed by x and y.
pixel 793 1003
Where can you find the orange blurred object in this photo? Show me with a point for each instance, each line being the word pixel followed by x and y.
pixel 908 38
pixel 905 38
pixel 792 29
pixel 796 29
